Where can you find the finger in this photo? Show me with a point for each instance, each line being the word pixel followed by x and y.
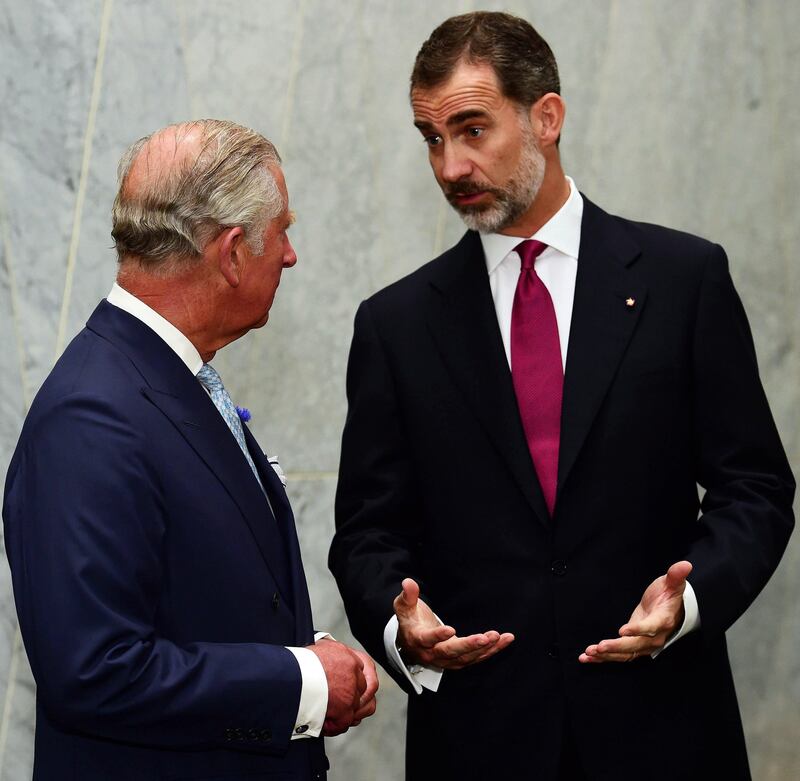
pixel 482 654
pixel 410 593
pixel 460 651
pixel 617 658
pixel 458 646
pixel 662 621
pixel 361 685
pixel 598 658
pixel 676 576
pixel 479 654
pixel 371 676
pixel 621 645
pixel 429 636
pixel 586 659
pixel 623 650
pixel 646 627
pixel 365 711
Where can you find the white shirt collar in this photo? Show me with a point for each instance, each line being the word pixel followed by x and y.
pixel 562 232
pixel 182 347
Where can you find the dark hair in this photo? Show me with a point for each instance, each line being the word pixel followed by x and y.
pixel 524 63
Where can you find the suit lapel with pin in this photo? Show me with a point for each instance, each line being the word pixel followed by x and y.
pixel 463 325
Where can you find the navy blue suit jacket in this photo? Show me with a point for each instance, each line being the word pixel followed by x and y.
pixel 155 590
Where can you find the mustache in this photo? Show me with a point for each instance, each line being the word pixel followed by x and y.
pixel 469 188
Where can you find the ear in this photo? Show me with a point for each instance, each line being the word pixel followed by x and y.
pixel 231 254
pixel 547 118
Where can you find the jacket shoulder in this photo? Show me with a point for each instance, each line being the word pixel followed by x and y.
pixel 407 290
pixel 658 238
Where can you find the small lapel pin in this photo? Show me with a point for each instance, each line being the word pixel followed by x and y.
pixel 630 302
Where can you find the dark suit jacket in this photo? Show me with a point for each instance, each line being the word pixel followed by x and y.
pixel 154 588
pixel 436 483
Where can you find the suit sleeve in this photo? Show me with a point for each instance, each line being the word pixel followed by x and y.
pixel 377 520
pixel 746 511
pixel 85 523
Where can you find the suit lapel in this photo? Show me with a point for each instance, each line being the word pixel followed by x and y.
pixel 609 299
pixel 170 386
pixel 286 524
pixel 463 324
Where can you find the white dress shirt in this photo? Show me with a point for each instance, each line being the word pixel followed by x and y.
pixel 557 267
pixel 314 691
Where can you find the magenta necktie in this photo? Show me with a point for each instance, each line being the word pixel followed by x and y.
pixel 536 368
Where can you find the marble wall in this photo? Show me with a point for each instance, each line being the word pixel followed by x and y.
pixel 681 113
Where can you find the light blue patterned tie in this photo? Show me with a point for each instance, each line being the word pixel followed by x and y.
pixel 222 401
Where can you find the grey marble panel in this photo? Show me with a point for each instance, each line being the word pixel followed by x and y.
pixel 144 87
pixel 48 63
pixel 12 396
pixel 763 647
pixel 681 113
pixel 16 760
pixel 240 58
pixel 688 128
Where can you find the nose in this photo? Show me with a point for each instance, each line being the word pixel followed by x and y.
pixel 289 255
pixel 456 164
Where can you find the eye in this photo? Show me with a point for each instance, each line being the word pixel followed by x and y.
pixel 432 140
pixel 475 132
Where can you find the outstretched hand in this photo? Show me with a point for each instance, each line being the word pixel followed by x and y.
pixel 423 639
pixel 655 618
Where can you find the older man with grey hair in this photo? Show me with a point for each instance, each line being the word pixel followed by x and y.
pixel 156 568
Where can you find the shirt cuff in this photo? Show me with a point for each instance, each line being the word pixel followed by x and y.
pixel 691 618
pixel 313 694
pixel 420 676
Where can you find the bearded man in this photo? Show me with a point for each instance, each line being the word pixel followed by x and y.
pixel 530 415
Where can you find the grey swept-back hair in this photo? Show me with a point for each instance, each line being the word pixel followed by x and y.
pixel 223 181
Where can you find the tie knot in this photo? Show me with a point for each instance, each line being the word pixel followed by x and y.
pixel 209 378
pixel 528 251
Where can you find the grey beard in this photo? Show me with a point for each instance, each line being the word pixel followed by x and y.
pixel 512 201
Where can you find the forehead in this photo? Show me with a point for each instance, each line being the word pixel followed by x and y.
pixel 471 87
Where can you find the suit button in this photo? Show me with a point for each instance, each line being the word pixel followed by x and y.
pixel 265 736
pixel 552 651
pixel 276 600
pixel 302 729
pixel 559 567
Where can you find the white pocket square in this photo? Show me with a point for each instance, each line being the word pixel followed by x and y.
pixel 273 462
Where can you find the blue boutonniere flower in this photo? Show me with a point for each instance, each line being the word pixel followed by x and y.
pixel 243 413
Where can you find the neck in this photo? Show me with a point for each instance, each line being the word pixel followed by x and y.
pixel 552 195
pixel 182 300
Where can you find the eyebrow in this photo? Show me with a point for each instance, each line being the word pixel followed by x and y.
pixel 455 119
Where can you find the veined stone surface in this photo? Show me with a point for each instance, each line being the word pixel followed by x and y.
pixel 681 113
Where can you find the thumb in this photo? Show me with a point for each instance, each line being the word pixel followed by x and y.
pixel 410 593
pixel 676 576
pixel 406 601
